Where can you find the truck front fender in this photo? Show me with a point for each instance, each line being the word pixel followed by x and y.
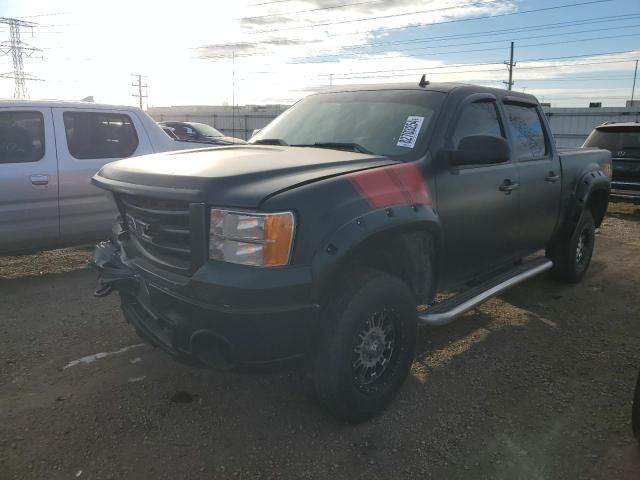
pixel 393 226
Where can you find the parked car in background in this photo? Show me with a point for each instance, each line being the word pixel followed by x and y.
pixel 623 141
pixel 200 132
pixel 321 237
pixel 170 132
pixel 48 153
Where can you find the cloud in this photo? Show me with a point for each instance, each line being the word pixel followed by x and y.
pixel 249 48
pixel 250 22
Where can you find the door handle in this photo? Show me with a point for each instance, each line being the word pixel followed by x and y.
pixel 508 186
pixel 40 181
pixel 552 177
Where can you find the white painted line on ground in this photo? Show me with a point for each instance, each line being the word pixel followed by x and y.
pixel 98 356
pixel 137 379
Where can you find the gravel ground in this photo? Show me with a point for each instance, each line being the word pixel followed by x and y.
pixel 536 384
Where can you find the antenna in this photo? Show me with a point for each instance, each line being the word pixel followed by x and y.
pixel 423 81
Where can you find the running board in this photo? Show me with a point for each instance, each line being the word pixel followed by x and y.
pixel 451 308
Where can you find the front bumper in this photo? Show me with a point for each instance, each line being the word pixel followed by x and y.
pixel 222 316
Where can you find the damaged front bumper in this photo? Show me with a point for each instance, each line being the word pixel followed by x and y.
pixel 222 316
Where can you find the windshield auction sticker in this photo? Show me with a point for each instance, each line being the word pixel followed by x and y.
pixel 410 132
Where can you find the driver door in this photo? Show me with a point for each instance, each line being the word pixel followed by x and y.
pixel 479 215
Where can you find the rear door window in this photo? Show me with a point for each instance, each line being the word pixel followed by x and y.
pixel 100 135
pixel 527 131
pixel 21 137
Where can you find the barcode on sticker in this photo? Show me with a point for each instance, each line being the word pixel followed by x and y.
pixel 410 132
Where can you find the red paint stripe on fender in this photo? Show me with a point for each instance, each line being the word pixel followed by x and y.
pixel 392 185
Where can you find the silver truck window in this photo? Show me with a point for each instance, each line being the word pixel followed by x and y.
pixel 527 131
pixel 478 118
pixel 100 135
pixel 21 137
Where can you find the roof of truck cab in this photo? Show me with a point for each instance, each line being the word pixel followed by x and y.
pixel 9 103
pixel 434 87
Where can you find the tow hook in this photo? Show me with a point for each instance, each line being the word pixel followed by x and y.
pixel 112 273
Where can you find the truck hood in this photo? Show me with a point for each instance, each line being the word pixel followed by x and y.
pixel 235 176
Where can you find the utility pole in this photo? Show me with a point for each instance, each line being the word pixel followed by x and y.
pixel 139 86
pixel 633 89
pixel 510 66
pixel 18 50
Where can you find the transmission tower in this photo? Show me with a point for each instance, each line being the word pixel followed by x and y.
pixel 18 50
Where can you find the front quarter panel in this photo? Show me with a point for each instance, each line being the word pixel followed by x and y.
pixel 336 215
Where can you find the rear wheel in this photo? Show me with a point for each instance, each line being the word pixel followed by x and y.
pixel 366 346
pixel 571 255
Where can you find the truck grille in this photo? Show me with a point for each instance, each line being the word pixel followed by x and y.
pixel 163 230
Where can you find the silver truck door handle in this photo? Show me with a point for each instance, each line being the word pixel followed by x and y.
pixel 40 181
pixel 552 177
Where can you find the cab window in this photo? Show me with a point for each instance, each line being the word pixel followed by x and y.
pixel 100 135
pixel 21 137
pixel 527 131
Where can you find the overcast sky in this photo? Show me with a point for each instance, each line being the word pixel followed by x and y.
pixel 284 49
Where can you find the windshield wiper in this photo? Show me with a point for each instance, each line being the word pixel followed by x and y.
pixel 270 141
pixel 337 146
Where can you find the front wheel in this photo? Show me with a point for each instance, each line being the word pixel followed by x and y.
pixel 571 255
pixel 366 345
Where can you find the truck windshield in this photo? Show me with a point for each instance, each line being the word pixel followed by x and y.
pixel 393 123
pixel 621 141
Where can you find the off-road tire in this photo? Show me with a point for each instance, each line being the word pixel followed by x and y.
pixel 571 254
pixel 363 298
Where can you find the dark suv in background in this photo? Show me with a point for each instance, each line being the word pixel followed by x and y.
pixel 623 140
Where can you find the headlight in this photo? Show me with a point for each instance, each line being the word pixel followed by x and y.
pixel 262 239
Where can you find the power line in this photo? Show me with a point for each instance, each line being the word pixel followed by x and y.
pixel 493 63
pixel 44 15
pixel 358 54
pixel 18 50
pixel 402 53
pixel 268 3
pixel 443 66
pixel 484 33
pixel 383 17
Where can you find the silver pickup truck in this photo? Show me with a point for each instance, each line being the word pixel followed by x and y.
pixel 48 153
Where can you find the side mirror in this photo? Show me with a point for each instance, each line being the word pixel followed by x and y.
pixel 480 150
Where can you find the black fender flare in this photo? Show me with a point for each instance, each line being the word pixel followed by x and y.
pixel 337 247
pixel 588 183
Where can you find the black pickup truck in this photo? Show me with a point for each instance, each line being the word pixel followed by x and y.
pixel 321 238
